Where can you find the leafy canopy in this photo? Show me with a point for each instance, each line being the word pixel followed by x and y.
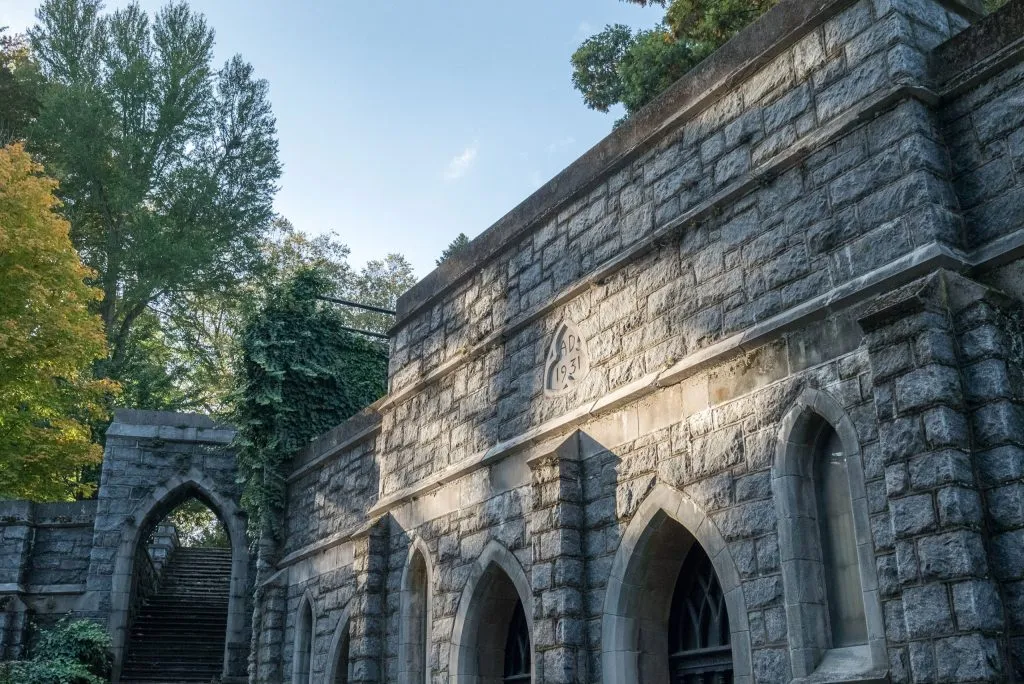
pixel 167 165
pixel 618 66
pixel 20 87
pixel 299 375
pixel 49 340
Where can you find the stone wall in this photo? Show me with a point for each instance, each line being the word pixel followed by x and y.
pixel 95 559
pixel 820 226
pixel 44 559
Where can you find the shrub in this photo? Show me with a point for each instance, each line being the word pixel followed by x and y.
pixel 71 652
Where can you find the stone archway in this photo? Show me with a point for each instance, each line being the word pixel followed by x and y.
pixel 416 615
pixel 486 607
pixel 162 500
pixel 338 666
pixel 634 627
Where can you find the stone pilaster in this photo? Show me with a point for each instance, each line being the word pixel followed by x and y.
pixel 990 336
pixel 367 607
pixel 16 537
pixel 555 524
pixel 944 629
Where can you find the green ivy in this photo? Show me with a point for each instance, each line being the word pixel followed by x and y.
pixel 300 374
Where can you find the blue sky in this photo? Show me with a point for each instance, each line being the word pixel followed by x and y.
pixel 402 123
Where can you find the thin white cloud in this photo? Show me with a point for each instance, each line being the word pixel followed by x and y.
pixel 561 144
pixel 461 163
pixel 585 30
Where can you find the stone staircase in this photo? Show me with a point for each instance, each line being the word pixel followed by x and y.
pixel 178 634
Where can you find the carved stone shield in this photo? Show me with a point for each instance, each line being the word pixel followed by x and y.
pixel 567 361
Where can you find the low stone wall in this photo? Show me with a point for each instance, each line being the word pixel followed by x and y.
pixel 44 560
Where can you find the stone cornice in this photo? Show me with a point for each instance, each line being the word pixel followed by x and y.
pixel 540 439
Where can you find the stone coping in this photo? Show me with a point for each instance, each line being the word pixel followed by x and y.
pixel 167 433
pixel 41 589
pixel 906 269
pixel 994 43
pixel 722 71
pixel 345 434
pixel 318 461
pixel 48 514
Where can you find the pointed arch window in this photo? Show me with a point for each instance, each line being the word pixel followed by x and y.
pixel 699 647
pixel 838 541
pixel 341 663
pixel 414 633
pixel 825 544
pixel 517 648
pixel 301 669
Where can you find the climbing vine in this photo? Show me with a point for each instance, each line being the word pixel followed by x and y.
pixel 300 373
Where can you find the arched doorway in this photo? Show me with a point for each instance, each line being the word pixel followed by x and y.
pixel 180 586
pixel 674 608
pixel 340 663
pixel 492 639
pixel 699 651
pixel 191 574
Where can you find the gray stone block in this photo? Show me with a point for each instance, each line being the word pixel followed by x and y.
pixel 927 612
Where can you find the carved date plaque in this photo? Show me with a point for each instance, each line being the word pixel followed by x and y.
pixel 567 361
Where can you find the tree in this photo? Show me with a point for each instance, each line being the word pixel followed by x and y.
pixel 460 243
pixel 21 85
pixel 617 66
pixel 167 166
pixel 49 340
pixel 380 282
pixel 300 373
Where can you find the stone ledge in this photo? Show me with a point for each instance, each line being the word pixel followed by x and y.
pixel 907 269
pixel 770 168
pixel 42 589
pixel 721 72
pixel 973 55
pixel 167 433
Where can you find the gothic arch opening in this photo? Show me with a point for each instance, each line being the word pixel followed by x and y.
pixel 178 599
pixel 492 640
pixel 825 547
pixel 414 630
pixel 305 632
pixel 340 663
pixel 674 608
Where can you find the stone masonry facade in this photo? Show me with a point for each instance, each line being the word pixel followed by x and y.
pixel 818 230
pixel 762 346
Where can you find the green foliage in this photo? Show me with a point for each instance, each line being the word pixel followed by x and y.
pixel 198 526
pixel 617 66
pixel 654 61
pixel 72 652
pixel 21 85
pixel 299 375
pixel 49 341
pixel 460 243
pixel 167 165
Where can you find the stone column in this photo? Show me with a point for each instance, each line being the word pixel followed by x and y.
pixel 990 335
pixel 367 628
pixel 943 629
pixel 556 530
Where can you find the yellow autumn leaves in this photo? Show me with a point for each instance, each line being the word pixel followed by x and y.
pixel 49 340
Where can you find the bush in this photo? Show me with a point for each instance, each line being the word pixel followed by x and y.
pixel 71 652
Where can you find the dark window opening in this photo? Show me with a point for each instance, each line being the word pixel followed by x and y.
pixel 699 648
pixel 517 647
